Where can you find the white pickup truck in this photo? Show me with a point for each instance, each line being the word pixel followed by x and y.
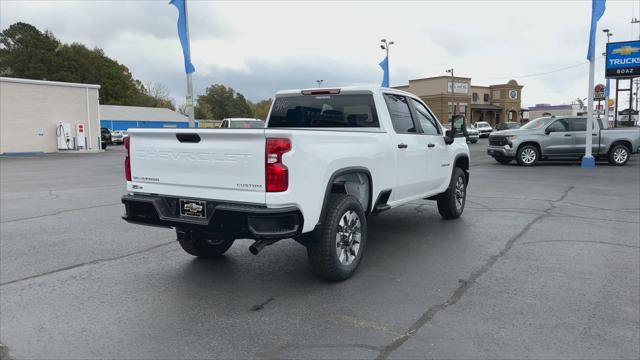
pixel 326 160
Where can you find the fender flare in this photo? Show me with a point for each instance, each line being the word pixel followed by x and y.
pixel 332 178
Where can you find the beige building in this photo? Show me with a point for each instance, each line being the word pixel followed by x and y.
pixel 30 111
pixel 494 104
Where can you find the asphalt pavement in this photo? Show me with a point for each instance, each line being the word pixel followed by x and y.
pixel 544 263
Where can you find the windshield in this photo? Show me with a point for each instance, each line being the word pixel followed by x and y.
pixel 246 124
pixel 317 111
pixel 482 124
pixel 538 123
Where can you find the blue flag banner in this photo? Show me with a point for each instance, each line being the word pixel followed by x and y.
pixel 182 34
pixel 606 90
pixel 597 10
pixel 385 68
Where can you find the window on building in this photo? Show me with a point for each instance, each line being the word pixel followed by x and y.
pixel 486 98
pixel 427 122
pixel 462 108
pixel 400 113
pixel 475 97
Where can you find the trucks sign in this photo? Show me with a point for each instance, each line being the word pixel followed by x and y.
pixel 623 60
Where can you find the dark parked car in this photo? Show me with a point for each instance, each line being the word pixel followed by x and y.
pixel 508 125
pixel 105 136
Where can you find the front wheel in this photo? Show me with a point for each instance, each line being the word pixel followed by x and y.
pixel 618 155
pixel 336 249
pixel 206 248
pixel 451 202
pixel 527 155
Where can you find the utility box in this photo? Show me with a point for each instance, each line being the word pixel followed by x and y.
pixel 63 133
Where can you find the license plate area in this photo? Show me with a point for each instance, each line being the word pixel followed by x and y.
pixel 193 208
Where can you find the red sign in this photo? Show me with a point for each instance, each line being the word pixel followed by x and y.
pixel 598 92
pixel 81 128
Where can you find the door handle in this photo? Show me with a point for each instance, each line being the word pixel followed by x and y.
pixel 594 134
pixel 402 146
pixel 567 134
pixel 431 145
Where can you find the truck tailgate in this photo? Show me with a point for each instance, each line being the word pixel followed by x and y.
pixel 219 164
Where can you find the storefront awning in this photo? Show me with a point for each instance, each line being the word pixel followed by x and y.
pixel 485 107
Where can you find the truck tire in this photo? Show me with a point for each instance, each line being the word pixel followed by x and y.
pixel 451 202
pixel 527 155
pixel 206 248
pixel 336 248
pixel 618 155
pixel 502 160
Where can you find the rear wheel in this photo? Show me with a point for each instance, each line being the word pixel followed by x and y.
pixel 336 249
pixel 527 155
pixel 618 155
pixel 206 248
pixel 451 202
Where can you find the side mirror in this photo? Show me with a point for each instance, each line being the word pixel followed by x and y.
pixel 449 137
pixel 458 125
pixel 547 131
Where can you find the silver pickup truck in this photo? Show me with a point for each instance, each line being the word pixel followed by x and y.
pixel 562 138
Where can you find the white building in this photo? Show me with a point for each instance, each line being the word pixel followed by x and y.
pixel 31 110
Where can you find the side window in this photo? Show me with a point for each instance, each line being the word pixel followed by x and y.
pixel 559 126
pixel 400 114
pixel 578 124
pixel 427 122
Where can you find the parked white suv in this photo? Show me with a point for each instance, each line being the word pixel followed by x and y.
pixel 327 160
pixel 484 128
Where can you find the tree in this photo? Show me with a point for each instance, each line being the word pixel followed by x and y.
pixel 221 102
pixel 260 109
pixel 26 52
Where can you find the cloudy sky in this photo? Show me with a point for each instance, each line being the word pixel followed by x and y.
pixel 260 47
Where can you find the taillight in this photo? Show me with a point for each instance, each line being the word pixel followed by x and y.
pixel 276 173
pixel 127 161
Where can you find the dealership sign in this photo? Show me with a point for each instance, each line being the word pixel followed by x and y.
pixel 623 60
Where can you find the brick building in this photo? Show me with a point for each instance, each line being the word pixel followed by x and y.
pixel 493 104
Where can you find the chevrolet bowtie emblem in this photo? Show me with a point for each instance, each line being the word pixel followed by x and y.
pixel 626 50
pixel 192 207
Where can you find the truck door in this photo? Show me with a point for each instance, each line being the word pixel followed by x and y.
pixel 578 128
pixel 411 165
pixel 438 159
pixel 558 140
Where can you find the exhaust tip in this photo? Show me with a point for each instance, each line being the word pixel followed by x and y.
pixel 254 250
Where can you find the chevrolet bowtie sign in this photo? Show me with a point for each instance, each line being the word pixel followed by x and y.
pixel 623 60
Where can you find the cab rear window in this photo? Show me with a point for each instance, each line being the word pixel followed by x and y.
pixel 324 111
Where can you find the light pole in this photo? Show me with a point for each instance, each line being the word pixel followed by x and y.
pixel 385 46
pixel 453 102
pixel 635 21
pixel 319 82
pixel 607 90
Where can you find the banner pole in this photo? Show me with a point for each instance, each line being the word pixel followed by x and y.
pixel 190 100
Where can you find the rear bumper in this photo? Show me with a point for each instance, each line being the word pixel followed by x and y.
pixel 249 221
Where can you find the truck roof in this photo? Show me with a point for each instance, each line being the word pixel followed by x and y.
pixel 353 88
